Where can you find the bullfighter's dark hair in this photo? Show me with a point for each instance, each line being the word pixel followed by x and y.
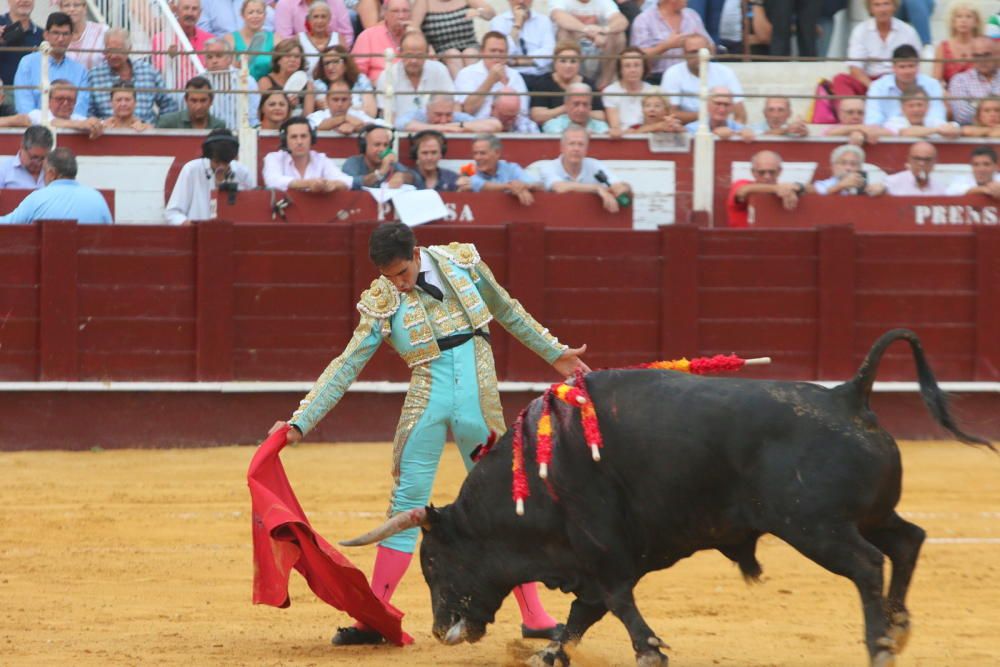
pixel 390 242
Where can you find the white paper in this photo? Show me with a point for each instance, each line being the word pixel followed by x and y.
pixel 415 207
pixel 384 195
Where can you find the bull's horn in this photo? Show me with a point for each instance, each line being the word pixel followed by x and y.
pixel 456 633
pixel 394 525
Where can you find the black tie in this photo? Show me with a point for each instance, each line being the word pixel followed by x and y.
pixel 433 290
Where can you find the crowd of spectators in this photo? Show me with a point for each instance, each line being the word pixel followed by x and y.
pixel 600 67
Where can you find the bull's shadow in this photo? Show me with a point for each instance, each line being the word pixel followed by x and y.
pixel 688 463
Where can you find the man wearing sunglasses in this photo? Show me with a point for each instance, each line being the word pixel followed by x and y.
pixel 765 167
pixel 982 80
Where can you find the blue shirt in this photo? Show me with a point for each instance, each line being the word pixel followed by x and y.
pixel 29 74
pixel 879 111
pixel 559 123
pixel 506 172
pixel 447 180
pixel 62 199
pixel 553 171
pixel 14 175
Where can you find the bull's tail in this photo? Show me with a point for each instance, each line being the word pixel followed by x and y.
pixel 932 395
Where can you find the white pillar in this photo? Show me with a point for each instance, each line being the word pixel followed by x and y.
pixel 704 145
pixel 246 134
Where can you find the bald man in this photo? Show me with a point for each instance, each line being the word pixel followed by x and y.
pixel 765 167
pixel 507 109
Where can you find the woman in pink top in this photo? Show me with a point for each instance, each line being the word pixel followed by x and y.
pixel 290 19
pixel 86 34
pixel 964 24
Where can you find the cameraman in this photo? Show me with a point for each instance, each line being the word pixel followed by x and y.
pixel 215 170
pixel 17 29
pixel 847 163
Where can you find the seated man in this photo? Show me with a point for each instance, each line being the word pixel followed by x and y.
pixel 387 33
pixel 981 81
pixel 488 76
pixel 217 169
pixel 530 39
pixel 682 83
pixel 847 163
pixel 598 26
pixel 985 178
pixel 507 109
pixel 62 198
pixel 440 115
pixel 339 116
pixel 413 74
pixel 25 169
pixel 778 120
pixel 222 75
pixel 910 122
pixel 195 115
pixel 59 34
pixel 852 124
pixel 494 174
pixel 118 66
pixel 62 106
pixel 573 171
pixel 579 104
pixel 377 164
pixel 720 107
pixel 123 103
pixel 427 148
pixel 885 93
pixel 919 178
pixel 871 45
pixel 765 167
pixel 297 167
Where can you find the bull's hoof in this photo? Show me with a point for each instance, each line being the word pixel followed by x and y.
pixel 651 659
pixel 553 633
pixel 884 659
pixel 552 656
pixel 899 630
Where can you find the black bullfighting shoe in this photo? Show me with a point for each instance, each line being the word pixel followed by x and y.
pixel 552 633
pixel 352 636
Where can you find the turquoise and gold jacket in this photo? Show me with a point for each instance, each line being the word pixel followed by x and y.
pixel 413 322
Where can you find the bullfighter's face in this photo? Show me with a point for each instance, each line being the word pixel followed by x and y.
pixel 403 272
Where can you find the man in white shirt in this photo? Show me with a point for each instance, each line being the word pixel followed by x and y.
pixel 297 167
pixel 871 45
pixel 220 72
pixel 918 179
pixel 598 26
pixel 912 120
pixel 573 171
pixel 410 75
pixel 339 115
pixel 984 179
pixel 62 107
pixel 530 39
pixel 487 76
pixel 216 169
pixel 682 84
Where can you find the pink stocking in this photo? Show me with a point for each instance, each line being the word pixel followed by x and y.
pixel 390 566
pixel 533 615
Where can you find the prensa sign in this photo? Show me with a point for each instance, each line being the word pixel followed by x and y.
pixel 954 214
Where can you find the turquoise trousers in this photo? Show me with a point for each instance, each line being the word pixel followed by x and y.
pixel 443 394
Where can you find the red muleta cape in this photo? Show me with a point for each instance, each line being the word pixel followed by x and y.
pixel 283 539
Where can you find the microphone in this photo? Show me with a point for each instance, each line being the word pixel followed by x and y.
pixel 602 178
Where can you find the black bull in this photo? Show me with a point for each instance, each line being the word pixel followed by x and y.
pixel 689 463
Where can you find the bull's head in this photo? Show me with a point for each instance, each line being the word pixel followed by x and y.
pixel 464 595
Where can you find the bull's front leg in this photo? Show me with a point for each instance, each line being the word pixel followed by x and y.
pixel 582 615
pixel 645 642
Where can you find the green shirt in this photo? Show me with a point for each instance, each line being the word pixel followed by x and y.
pixel 181 120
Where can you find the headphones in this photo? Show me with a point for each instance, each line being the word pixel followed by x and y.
pixel 220 144
pixel 367 129
pixel 295 120
pixel 415 140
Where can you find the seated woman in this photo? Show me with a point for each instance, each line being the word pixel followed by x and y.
pixel 336 64
pixel 565 72
pixel 624 98
pixel 273 110
pixel 86 34
pixel 286 61
pixel 987 119
pixel 427 148
pixel 847 163
pixel 448 27
pixel 123 110
pixel 964 24
pixel 253 37
pixel 656 117
pixel 318 35
pixel 870 48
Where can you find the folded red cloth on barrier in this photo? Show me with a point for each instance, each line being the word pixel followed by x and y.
pixel 283 539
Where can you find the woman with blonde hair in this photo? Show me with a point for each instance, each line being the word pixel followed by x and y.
pixel 253 37
pixel 656 116
pixel 964 24
pixel 287 60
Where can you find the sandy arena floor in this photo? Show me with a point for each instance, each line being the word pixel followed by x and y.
pixel 143 557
